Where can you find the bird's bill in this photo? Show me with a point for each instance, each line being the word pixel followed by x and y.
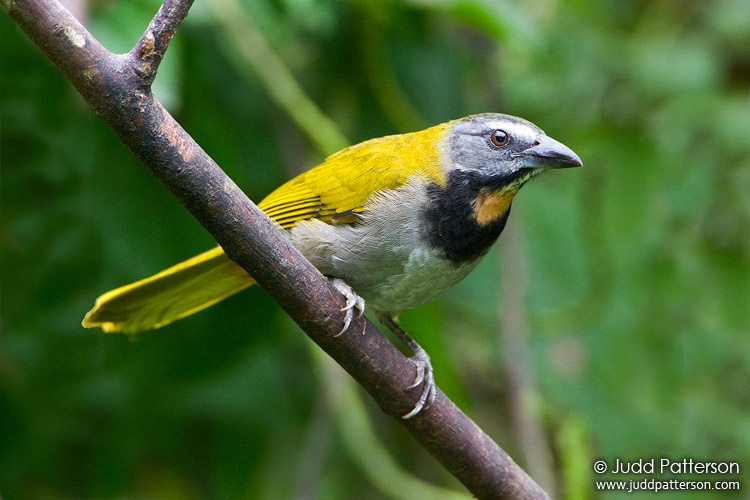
pixel 550 153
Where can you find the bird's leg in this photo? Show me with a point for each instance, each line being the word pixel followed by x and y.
pixel 353 301
pixel 420 358
pixel 424 368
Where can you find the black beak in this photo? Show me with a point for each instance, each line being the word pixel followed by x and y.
pixel 549 153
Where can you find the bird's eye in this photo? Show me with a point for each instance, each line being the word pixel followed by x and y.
pixel 499 138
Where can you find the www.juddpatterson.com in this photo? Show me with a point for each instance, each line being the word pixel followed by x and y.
pixel 669 467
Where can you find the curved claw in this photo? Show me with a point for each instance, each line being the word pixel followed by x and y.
pixel 421 361
pixel 353 302
pixel 424 376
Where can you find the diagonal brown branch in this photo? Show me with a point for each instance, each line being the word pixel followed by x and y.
pixel 117 88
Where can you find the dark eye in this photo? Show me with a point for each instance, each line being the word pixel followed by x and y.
pixel 499 138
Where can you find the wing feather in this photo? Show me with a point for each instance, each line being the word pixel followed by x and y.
pixel 340 187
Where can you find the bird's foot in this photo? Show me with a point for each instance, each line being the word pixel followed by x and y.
pixel 421 361
pixel 353 303
pixel 425 377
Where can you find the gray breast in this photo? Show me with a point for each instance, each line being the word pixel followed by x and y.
pixel 385 257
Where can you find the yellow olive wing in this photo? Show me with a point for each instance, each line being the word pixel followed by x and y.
pixel 336 190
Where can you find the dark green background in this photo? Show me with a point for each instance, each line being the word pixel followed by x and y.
pixel 633 273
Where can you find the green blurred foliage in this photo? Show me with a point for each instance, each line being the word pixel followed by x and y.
pixel 638 265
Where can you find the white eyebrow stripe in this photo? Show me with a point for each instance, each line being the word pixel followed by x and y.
pixel 518 130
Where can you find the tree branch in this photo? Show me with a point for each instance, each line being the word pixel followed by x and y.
pixel 154 43
pixel 117 88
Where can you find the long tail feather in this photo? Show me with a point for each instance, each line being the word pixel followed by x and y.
pixel 174 293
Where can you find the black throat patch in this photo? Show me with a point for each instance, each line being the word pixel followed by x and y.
pixel 452 222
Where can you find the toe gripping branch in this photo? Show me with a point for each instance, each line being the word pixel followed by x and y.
pixel 353 302
pixel 423 365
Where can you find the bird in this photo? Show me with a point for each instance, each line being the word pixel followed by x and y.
pixel 393 222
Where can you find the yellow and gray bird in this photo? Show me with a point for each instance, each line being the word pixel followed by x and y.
pixel 393 221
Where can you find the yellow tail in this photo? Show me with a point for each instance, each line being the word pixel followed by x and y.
pixel 174 293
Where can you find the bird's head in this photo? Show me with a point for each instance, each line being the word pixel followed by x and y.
pixel 492 155
pixel 505 148
pixel 485 160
